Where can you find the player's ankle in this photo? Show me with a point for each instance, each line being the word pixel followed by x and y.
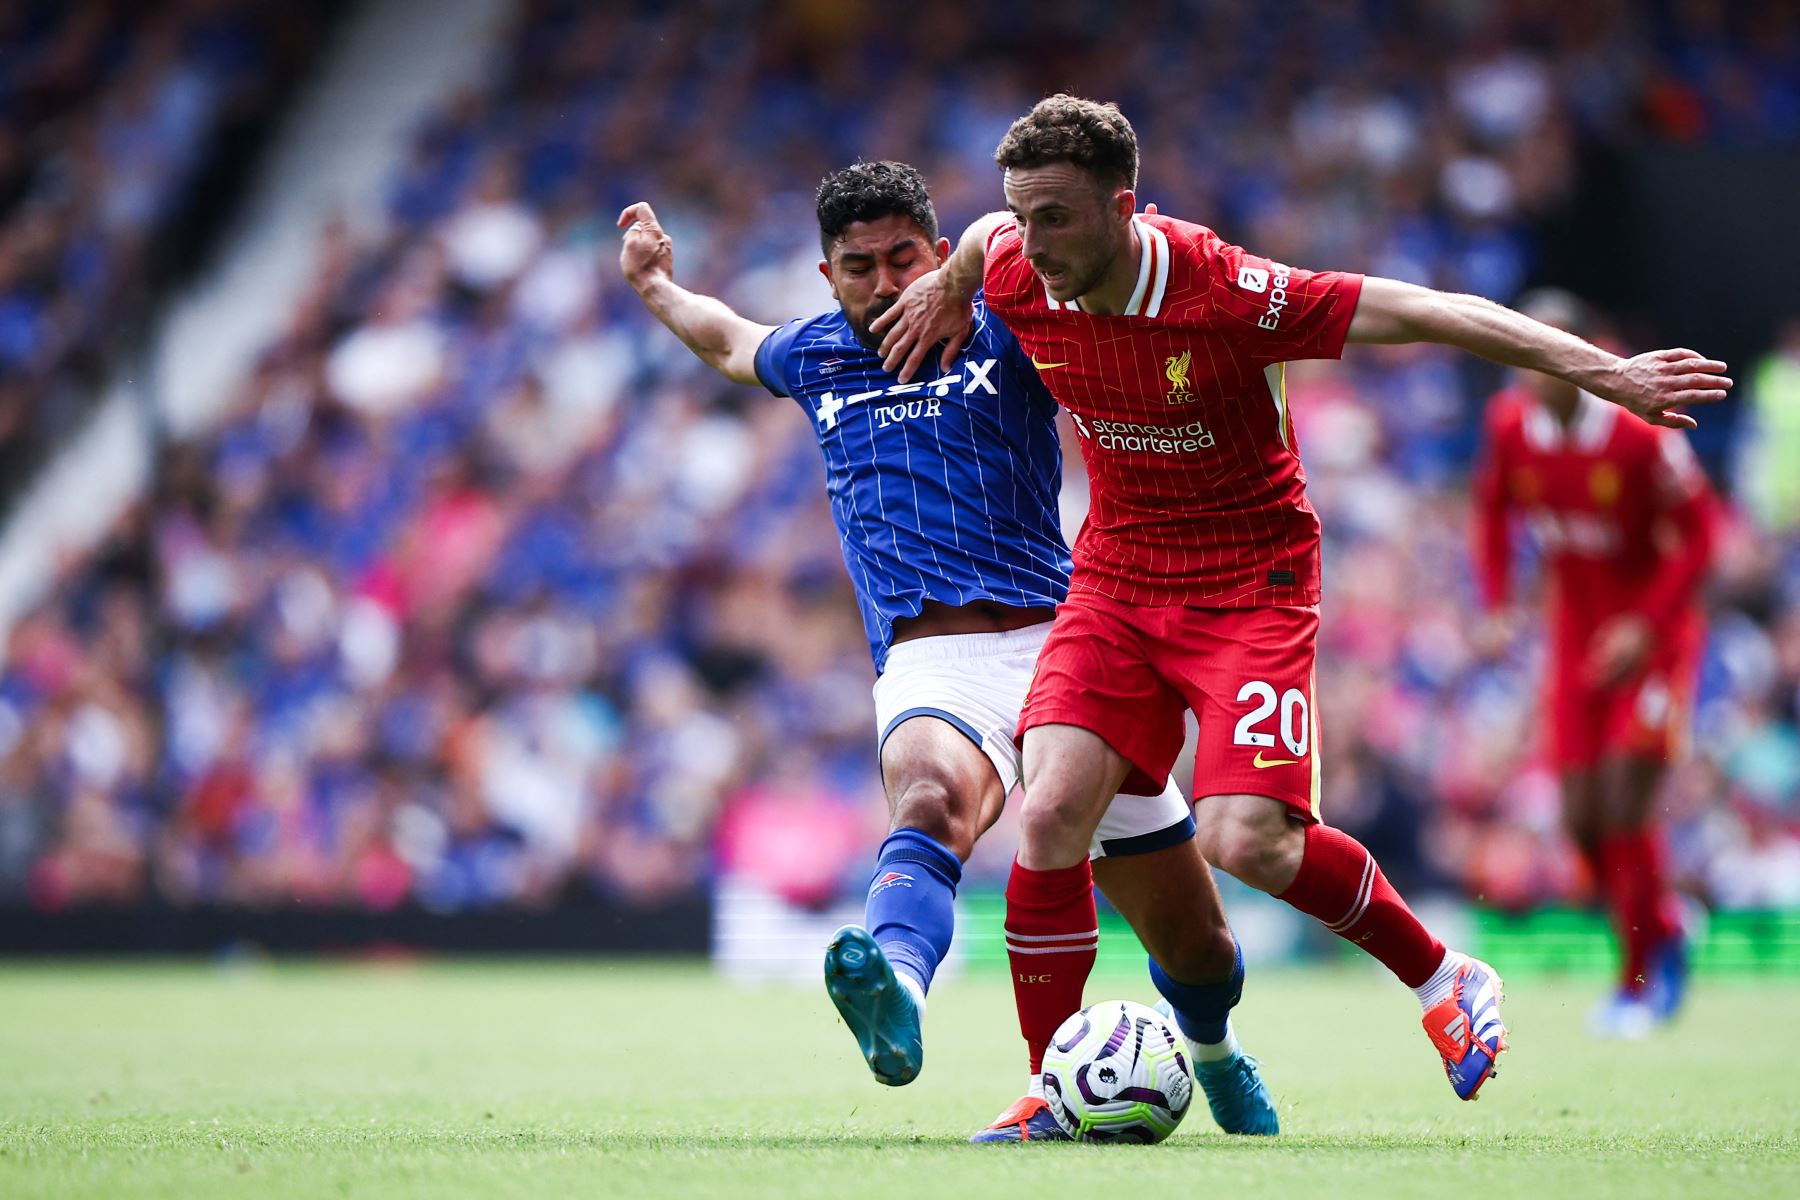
pixel 914 987
pixel 1222 1051
pixel 1442 983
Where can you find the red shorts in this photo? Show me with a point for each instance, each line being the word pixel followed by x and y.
pixel 1130 672
pixel 1647 717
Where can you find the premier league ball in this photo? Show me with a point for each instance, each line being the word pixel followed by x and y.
pixel 1117 1072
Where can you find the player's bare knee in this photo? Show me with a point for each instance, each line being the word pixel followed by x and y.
pixel 1052 824
pixel 1243 845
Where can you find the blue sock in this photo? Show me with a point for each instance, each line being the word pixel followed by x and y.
pixel 1201 1009
pixel 910 913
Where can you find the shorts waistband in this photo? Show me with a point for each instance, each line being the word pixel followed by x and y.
pixel 947 646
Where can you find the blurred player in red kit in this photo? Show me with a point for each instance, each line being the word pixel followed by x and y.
pixel 1197 575
pixel 1623 516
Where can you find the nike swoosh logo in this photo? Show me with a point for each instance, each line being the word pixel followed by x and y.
pixel 1047 366
pixel 1260 761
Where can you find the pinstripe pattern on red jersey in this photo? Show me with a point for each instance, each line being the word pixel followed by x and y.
pixel 1197 494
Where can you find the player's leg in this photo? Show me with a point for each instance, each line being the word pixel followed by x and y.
pixel 944 788
pixel 1168 895
pixel 1052 929
pixel 1097 720
pixel 1330 876
pixel 1582 818
pixel 1635 881
pixel 1052 926
pixel 943 794
pixel 1249 676
pixel 1642 727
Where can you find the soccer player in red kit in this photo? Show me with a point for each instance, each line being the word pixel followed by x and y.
pixel 1196 581
pixel 1624 518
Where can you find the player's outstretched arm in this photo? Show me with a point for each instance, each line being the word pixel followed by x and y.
pixel 723 340
pixel 935 307
pixel 1656 386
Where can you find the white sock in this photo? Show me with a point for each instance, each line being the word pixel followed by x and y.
pixel 1211 1052
pixel 1437 989
pixel 914 988
pixel 1035 1087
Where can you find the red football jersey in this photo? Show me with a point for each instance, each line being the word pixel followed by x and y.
pixel 1619 507
pixel 1181 403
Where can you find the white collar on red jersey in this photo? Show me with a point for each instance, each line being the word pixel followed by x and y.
pixel 1152 281
pixel 1592 425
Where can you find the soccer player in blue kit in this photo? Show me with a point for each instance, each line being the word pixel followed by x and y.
pixel 944 493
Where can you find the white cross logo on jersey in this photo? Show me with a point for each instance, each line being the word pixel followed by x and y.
pixel 829 407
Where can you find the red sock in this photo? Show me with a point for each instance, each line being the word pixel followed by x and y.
pixel 1634 884
pixel 1052 933
pixel 1591 861
pixel 1340 884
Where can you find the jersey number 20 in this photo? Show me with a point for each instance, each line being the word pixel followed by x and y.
pixel 1295 727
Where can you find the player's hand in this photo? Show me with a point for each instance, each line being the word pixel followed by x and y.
pixel 1619 650
pixel 646 253
pixel 925 314
pixel 1659 384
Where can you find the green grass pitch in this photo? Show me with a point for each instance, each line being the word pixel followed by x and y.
pixel 613 1079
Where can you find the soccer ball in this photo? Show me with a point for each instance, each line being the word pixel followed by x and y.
pixel 1117 1072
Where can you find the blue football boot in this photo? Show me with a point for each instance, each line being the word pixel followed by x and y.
pixel 1234 1088
pixel 878 1010
pixel 1672 962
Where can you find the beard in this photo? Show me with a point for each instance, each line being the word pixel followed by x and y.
pixel 864 334
pixel 1091 280
pixel 1075 283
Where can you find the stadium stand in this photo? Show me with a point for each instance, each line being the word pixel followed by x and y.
pixel 485 593
pixel 123 132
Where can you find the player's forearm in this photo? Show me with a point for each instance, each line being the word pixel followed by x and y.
pixel 1493 567
pixel 1492 533
pixel 1394 312
pixel 718 336
pixel 1493 561
pixel 962 271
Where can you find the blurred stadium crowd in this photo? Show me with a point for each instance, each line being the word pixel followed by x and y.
pixel 119 126
pixel 486 590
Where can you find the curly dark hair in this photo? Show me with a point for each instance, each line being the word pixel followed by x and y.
pixel 866 191
pixel 1063 128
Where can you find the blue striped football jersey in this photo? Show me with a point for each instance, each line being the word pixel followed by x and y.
pixel 942 489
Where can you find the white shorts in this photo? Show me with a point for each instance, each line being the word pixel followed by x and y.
pixel 977 683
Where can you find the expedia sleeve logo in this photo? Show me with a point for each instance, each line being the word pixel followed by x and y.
pixel 1253 279
pixel 1278 297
